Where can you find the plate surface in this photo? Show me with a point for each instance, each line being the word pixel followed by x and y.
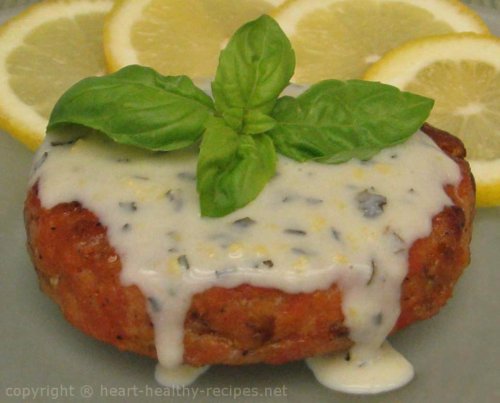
pixel 456 354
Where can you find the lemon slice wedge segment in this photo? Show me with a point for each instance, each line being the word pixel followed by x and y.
pixel 43 51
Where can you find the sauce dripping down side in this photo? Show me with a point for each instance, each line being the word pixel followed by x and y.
pixel 181 375
pixel 385 370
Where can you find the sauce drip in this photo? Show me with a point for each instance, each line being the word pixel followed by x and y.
pixel 385 370
pixel 181 375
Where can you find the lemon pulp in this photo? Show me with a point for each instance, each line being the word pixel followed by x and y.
pixel 177 36
pixel 467 103
pixel 340 39
pixel 62 52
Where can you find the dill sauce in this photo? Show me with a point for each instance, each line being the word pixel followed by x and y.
pixel 313 225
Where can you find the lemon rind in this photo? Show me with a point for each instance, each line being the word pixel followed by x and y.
pixel 487 175
pixel 118 48
pixel 488 195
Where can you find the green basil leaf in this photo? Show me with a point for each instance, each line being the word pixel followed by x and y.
pixel 234 118
pixel 232 168
pixel 137 106
pixel 255 122
pixel 254 68
pixel 335 121
pixel 248 121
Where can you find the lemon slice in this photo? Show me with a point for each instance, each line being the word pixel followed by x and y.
pixel 341 38
pixel 461 72
pixel 43 51
pixel 176 36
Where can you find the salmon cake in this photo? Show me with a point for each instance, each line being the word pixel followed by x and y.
pixel 316 274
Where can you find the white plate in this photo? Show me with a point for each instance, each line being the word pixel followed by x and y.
pixel 455 354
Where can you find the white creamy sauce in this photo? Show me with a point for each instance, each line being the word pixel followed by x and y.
pixel 312 225
pixel 178 376
pixel 386 370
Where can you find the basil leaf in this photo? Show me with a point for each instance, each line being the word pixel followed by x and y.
pixel 335 121
pixel 248 121
pixel 137 106
pixel 234 118
pixel 255 122
pixel 254 68
pixel 232 168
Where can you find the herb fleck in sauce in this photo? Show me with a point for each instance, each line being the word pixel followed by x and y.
pixel 244 222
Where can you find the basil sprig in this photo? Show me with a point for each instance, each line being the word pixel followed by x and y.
pixel 247 122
